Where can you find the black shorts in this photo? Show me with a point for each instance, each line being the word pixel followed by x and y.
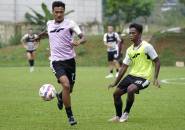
pixel 141 83
pixel 112 55
pixel 67 67
pixel 30 51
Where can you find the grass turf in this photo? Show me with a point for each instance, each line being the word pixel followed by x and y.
pixel 22 109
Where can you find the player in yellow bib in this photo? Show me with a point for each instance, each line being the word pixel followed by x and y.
pixel 141 57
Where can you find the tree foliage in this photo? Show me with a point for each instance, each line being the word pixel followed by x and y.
pixel 39 19
pixel 124 11
pixel 182 1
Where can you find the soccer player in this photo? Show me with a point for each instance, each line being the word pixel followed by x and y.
pixel 140 56
pixel 111 40
pixel 30 45
pixel 60 32
pixel 120 49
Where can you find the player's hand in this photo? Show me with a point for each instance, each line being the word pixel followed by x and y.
pixel 76 43
pixel 37 39
pixel 25 46
pixel 109 46
pixel 156 83
pixel 111 85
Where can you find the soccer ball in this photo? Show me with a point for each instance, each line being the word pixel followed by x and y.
pixel 47 92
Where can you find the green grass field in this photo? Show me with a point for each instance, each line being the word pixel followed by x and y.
pixel 22 109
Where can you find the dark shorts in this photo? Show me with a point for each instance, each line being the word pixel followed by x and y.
pixel 141 83
pixel 30 51
pixel 67 67
pixel 112 55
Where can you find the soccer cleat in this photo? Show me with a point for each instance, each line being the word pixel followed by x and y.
pixel 114 119
pixel 60 102
pixel 72 121
pixel 116 74
pixel 124 117
pixel 109 76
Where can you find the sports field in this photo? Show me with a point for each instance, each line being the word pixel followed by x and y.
pixel 22 109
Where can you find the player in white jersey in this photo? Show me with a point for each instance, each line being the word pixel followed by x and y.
pixel 111 40
pixel 30 45
pixel 60 32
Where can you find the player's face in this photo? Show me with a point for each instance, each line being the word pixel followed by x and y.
pixel 134 35
pixel 30 31
pixel 110 29
pixel 58 13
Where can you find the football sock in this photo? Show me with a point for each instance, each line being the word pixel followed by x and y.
pixel 32 62
pixel 118 105
pixel 128 105
pixel 60 95
pixel 69 112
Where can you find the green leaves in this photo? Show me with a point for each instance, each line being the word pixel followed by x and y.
pixel 39 19
pixel 125 11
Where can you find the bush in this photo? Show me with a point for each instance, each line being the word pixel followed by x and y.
pixel 16 39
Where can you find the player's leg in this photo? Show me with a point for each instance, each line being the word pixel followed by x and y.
pixel 120 90
pixel 110 64
pixel 30 61
pixel 116 66
pixel 117 104
pixel 116 63
pixel 131 90
pixel 66 98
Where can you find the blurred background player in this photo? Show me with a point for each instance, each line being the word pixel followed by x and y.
pixel 120 49
pixel 30 45
pixel 111 40
pixel 140 56
pixel 60 32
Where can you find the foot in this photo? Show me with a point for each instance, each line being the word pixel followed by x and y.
pixel 116 75
pixel 114 119
pixel 60 102
pixel 72 121
pixel 124 117
pixel 31 69
pixel 109 76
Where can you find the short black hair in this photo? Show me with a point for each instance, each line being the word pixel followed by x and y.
pixel 137 26
pixel 58 4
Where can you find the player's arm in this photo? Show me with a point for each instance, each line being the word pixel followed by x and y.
pixel 36 43
pixel 81 39
pixel 156 73
pixel 75 28
pixel 42 35
pixel 117 38
pixel 105 41
pixel 122 71
pixel 153 55
pixel 23 41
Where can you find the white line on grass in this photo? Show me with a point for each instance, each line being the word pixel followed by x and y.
pixel 173 81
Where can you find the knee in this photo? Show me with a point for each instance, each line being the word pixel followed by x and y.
pixel 130 90
pixel 65 86
pixel 116 96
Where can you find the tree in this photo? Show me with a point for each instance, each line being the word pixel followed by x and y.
pixel 182 1
pixel 39 19
pixel 124 11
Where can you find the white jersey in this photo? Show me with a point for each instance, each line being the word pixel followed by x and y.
pixel 112 39
pixel 29 40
